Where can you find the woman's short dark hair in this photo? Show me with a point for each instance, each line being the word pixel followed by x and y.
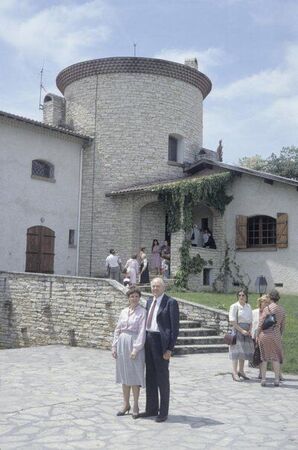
pixel 133 290
pixel 274 295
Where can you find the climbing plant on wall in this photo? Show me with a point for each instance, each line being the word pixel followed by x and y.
pixel 185 194
pixel 181 196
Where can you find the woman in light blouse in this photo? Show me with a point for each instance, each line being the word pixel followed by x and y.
pixel 240 316
pixel 128 350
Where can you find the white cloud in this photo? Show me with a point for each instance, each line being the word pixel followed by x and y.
pixel 207 58
pixel 256 114
pixel 59 32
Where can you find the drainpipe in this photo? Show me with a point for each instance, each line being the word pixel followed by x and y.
pixel 79 210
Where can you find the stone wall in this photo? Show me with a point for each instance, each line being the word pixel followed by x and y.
pixel 48 309
pixel 45 309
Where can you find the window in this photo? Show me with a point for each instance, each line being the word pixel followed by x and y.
pixel 261 231
pixel 42 169
pixel 206 277
pixel 71 238
pixel 173 149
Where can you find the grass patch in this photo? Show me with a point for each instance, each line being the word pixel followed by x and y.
pixel 224 301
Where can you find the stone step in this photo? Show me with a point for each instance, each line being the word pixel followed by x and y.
pixel 188 349
pixel 196 332
pixel 189 324
pixel 199 340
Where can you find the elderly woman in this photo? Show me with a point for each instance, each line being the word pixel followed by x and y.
pixel 128 350
pixel 256 313
pixel 132 267
pixel 270 339
pixel 240 317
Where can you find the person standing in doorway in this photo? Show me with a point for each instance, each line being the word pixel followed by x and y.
pixel 113 265
pixel 162 328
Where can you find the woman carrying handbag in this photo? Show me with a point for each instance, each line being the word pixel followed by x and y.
pixel 240 317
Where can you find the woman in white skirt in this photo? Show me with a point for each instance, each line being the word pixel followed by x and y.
pixel 128 350
pixel 240 316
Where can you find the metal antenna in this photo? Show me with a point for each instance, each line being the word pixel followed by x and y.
pixel 134 49
pixel 41 87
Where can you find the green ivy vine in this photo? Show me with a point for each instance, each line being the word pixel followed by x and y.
pixel 183 195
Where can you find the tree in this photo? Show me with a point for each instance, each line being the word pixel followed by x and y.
pixel 285 164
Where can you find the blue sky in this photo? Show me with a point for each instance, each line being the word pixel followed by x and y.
pixel 248 48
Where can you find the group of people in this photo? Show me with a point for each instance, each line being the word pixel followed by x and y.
pixel 252 335
pixel 136 269
pixel 202 237
pixel 146 336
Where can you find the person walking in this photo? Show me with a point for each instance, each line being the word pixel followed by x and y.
pixel 113 265
pixel 128 350
pixel 162 330
pixel 270 339
pixel 240 317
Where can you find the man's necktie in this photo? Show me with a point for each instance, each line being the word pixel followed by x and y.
pixel 151 312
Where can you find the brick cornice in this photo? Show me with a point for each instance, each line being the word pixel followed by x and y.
pixel 134 65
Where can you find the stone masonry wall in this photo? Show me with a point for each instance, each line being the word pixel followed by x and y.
pixel 131 117
pixel 48 309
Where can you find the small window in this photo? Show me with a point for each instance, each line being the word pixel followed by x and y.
pixel 173 149
pixel 71 238
pixel 206 277
pixel 261 231
pixel 42 169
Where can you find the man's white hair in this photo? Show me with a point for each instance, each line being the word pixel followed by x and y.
pixel 159 279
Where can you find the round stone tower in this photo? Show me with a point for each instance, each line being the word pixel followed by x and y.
pixel 146 119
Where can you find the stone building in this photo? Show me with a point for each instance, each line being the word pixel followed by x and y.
pixel 122 128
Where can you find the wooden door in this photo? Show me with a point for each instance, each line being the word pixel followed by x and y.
pixel 40 250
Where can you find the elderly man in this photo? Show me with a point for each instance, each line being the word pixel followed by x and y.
pixel 162 330
pixel 113 265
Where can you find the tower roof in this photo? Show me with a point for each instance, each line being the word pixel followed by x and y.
pixel 150 66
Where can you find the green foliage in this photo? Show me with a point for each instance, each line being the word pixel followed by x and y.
pixel 230 269
pixel 285 164
pixel 188 265
pixel 186 193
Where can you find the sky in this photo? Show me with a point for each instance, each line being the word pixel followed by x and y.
pixel 248 48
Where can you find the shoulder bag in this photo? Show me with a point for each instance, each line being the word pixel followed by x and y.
pixel 270 321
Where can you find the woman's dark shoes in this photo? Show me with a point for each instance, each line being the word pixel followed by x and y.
pixel 242 375
pixel 276 383
pixel 123 411
pixel 135 414
pixel 235 377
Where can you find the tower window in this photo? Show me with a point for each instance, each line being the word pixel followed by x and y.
pixel 173 149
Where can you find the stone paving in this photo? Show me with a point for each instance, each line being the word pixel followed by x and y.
pixel 65 398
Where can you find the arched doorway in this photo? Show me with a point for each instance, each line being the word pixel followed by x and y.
pixel 40 250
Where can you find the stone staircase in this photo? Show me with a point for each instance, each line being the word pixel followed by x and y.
pixel 195 339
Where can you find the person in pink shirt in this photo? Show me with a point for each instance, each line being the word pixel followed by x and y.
pixel 128 350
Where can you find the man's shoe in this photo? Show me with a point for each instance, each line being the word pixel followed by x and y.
pixel 146 414
pixel 161 418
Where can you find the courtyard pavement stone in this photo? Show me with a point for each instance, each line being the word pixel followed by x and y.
pixel 65 398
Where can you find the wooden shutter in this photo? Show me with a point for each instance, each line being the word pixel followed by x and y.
pixel 282 230
pixel 241 232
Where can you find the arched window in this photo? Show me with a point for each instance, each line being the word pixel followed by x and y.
pixel 261 231
pixel 42 169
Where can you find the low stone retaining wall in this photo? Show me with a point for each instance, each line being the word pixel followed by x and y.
pixel 49 309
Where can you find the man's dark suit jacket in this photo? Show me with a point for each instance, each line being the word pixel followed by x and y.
pixel 168 321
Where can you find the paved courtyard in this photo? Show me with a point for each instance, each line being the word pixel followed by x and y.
pixel 65 398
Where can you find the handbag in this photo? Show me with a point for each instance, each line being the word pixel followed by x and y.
pixel 270 321
pixel 256 361
pixel 230 338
